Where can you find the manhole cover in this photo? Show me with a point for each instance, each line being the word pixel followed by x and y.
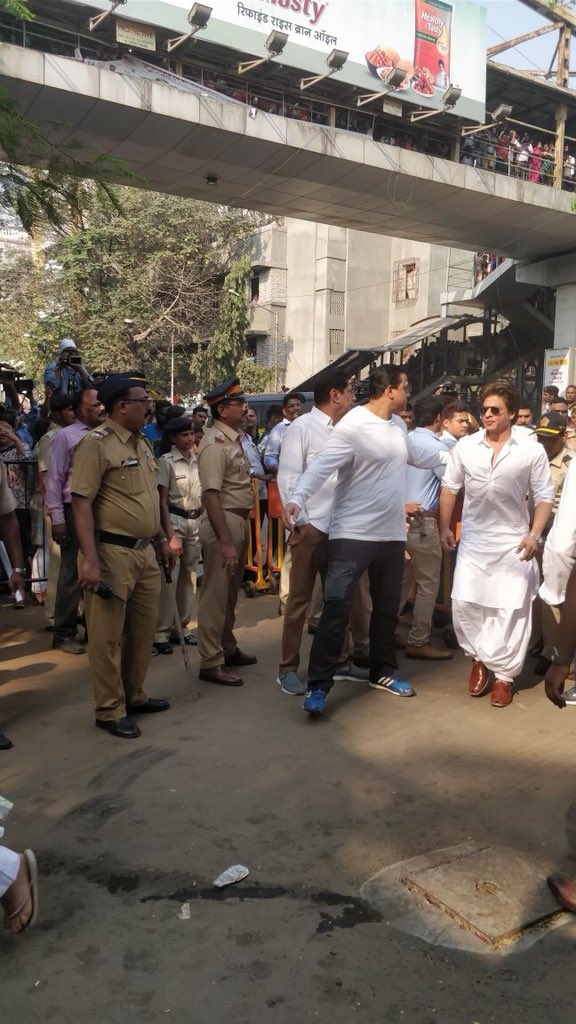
pixel 493 892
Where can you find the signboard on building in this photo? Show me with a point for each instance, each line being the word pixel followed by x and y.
pixel 559 368
pixel 435 42
pixel 140 37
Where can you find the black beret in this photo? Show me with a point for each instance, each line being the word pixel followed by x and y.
pixel 179 424
pixel 59 402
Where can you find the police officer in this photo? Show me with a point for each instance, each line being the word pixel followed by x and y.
pixel 228 498
pixel 180 507
pixel 117 516
pixel 551 432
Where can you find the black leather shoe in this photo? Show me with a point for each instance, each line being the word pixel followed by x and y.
pixel 123 727
pixel 162 648
pixel 5 743
pixel 239 658
pixel 149 707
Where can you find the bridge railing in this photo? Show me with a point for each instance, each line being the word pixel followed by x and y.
pixel 487 152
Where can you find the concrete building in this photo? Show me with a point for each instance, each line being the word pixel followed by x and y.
pixel 318 289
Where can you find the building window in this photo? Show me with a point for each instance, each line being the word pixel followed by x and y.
pixel 336 339
pixel 336 303
pixel 255 288
pixel 405 280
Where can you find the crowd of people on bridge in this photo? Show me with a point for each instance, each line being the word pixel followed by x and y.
pixel 144 500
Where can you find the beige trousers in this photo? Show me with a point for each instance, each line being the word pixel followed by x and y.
pixel 53 574
pixel 219 591
pixel 423 546
pixel 183 584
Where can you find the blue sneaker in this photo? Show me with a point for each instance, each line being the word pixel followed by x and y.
pixel 399 687
pixel 315 702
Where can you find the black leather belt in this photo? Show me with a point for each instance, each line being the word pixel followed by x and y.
pixel 122 541
pixel 186 513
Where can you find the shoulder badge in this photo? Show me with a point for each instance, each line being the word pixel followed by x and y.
pixel 101 432
pixel 567 458
pixel 219 438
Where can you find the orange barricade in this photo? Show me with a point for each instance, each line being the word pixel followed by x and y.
pixel 265 571
pixel 275 529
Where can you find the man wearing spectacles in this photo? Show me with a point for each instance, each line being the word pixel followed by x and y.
pixel 496 577
pixel 116 510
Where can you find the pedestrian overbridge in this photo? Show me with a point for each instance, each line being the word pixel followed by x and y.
pixel 205 146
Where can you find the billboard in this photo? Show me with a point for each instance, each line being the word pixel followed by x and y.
pixel 435 42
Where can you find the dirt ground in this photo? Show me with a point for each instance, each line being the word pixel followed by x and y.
pixel 127 831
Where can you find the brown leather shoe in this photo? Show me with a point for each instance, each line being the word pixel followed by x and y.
pixel 501 695
pixel 239 658
pixel 221 676
pixel 564 889
pixel 426 652
pixel 479 680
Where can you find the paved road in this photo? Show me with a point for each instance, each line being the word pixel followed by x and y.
pixel 127 831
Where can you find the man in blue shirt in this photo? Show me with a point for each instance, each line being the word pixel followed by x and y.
pixel 66 374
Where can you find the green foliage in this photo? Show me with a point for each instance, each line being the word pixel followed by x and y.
pixel 220 356
pixel 128 285
pixel 255 379
pixel 17 8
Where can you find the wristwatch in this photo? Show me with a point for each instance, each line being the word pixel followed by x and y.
pixel 556 659
pixel 21 572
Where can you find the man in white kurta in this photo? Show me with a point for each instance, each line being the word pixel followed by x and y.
pixel 496 576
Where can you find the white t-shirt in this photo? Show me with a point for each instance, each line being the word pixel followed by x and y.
pixel 370 455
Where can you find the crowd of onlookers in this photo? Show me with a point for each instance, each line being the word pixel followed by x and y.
pixel 517 155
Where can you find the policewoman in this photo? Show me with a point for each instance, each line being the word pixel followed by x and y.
pixel 116 510
pixel 227 497
pixel 180 508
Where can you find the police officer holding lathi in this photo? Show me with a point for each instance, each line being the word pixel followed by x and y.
pixel 228 498
pixel 117 516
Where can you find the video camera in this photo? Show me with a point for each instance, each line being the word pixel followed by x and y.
pixel 70 357
pixel 12 383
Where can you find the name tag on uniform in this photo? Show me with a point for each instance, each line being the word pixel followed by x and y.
pixel 131 462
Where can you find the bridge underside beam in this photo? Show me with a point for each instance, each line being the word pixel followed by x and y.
pixel 173 141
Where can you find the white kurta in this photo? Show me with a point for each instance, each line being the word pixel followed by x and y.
pixel 493 589
pixel 560 550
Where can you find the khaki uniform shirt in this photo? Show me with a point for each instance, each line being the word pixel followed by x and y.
pixel 558 469
pixel 7 500
pixel 223 467
pixel 180 476
pixel 43 448
pixel 118 472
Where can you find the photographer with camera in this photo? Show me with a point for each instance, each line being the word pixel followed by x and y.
pixel 66 374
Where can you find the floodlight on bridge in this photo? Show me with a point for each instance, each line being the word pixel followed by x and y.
pixel 198 17
pixel 96 21
pixel 275 44
pixel 391 82
pixel 335 60
pixel 497 116
pixel 449 100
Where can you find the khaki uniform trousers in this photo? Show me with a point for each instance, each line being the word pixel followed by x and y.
pixel 182 582
pixel 423 546
pixel 53 574
pixel 219 591
pixel 120 635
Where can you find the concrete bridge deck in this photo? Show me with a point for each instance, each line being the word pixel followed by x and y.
pixel 174 139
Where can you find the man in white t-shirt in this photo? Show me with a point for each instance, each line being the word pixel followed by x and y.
pixel 369 450
pixel 496 577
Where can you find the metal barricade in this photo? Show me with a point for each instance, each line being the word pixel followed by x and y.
pixel 266 569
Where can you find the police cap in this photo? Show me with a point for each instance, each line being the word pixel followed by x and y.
pixel 231 388
pixel 178 425
pixel 117 383
pixel 551 424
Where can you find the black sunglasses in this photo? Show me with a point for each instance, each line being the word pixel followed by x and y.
pixel 490 408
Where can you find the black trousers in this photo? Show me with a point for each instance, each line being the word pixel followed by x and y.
pixel 347 560
pixel 68 591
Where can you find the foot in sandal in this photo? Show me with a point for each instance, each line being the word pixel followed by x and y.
pixel 20 901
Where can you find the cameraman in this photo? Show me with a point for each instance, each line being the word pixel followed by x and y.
pixel 66 374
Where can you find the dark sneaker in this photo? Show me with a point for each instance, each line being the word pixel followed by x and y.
pixel 315 702
pixel 353 673
pixel 291 683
